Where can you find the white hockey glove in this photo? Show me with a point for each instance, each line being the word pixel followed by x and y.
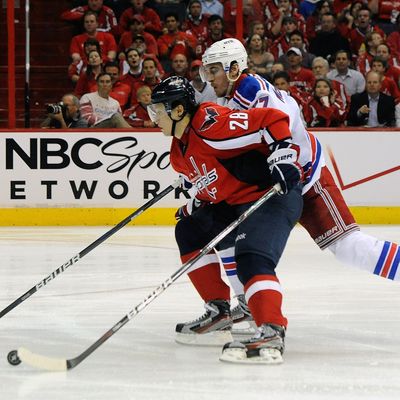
pixel 189 208
pixel 284 167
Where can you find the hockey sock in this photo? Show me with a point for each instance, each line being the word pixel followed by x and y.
pixel 228 260
pixel 205 275
pixel 368 253
pixel 264 298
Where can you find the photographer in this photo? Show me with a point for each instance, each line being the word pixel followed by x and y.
pixel 64 115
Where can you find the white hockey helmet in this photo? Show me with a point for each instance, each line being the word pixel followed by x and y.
pixel 226 52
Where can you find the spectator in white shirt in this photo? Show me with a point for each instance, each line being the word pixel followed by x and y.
pixel 101 110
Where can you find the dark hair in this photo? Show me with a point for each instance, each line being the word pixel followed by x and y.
pixel 90 12
pixel 129 49
pixel 101 74
pixel 113 64
pixel 296 32
pixel 150 59
pixel 215 17
pixel 281 74
pixel 89 68
pixel 381 60
pixel 343 51
pixel 327 81
pixel 171 14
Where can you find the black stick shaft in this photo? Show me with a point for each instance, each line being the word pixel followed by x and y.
pixel 171 279
pixel 87 249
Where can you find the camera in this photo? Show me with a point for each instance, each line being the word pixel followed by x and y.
pixel 55 108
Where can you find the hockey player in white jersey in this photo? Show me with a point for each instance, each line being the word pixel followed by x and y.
pixel 326 216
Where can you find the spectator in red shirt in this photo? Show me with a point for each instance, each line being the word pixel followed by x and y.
pixel 372 41
pixel 150 77
pixel 296 39
pixel 252 10
pixel 363 26
pixel 320 69
pixel 313 22
pixel 120 91
pixel 76 67
pixel 285 9
pixel 389 86
pixel 281 81
pixel 215 30
pixel 324 109
pixel 393 71
pixel 135 68
pixel 174 41
pixel 281 45
pixel 105 15
pixel 136 27
pixel 196 24
pixel 393 40
pixel 87 81
pixel 107 42
pixel 152 24
pixel 300 77
pixel 137 116
pixel 180 66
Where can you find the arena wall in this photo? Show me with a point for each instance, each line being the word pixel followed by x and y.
pixel 98 178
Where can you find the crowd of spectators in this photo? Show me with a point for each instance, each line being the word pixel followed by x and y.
pixel 340 60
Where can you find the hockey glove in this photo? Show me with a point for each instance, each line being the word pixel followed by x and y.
pixel 189 208
pixel 284 167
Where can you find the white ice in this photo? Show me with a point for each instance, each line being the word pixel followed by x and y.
pixel 343 340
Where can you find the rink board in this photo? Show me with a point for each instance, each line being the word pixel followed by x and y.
pixel 99 177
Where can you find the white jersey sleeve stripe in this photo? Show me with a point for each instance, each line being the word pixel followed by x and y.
pixel 235 143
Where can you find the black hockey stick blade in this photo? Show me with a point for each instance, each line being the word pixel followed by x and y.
pixel 59 364
pixel 73 260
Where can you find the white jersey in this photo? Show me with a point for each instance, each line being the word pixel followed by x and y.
pixel 255 91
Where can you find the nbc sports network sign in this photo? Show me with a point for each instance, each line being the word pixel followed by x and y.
pixel 125 169
pixel 85 169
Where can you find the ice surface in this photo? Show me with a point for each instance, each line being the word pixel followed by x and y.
pixel 343 339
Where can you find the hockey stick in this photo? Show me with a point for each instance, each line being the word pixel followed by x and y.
pixel 60 364
pixel 89 248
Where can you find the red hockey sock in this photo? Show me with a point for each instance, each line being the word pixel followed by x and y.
pixel 264 298
pixel 206 277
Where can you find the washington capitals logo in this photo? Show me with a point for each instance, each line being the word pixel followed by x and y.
pixel 209 119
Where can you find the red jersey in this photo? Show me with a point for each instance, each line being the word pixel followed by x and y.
pixel 318 115
pixel 390 88
pixel 393 41
pixel 199 29
pixel 122 93
pixel 389 10
pixel 106 40
pixel 85 84
pixel 136 115
pixel 184 44
pixel 152 24
pixel 357 37
pixel 212 152
pixel 127 39
pixel 304 79
pixel 105 17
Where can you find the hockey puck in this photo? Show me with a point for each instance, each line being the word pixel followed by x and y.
pixel 13 358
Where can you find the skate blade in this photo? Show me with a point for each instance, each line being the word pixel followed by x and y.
pixel 244 328
pixel 239 356
pixel 216 338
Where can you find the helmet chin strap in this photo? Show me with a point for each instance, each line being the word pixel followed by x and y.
pixel 174 122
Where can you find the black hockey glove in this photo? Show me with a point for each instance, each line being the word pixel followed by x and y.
pixel 189 208
pixel 284 167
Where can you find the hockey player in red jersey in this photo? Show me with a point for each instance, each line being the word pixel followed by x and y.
pixel 325 214
pixel 233 158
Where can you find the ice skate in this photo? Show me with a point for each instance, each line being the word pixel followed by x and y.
pixel 243 323
pixel 213 328
pixel 266 347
